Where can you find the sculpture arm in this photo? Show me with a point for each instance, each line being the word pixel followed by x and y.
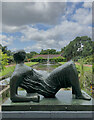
pixel 19 98
pixel 14 84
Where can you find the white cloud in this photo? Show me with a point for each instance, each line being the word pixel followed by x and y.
pixel 34 1
pixel 12 29
pixel 83 16
pixel 13 49
pixel 79 0
pixel 56 37
pixel 17 14
pixel 28 14
pixel 36 47
pixel 87 5
pixel 5 41
pixel 42 45
pixel 71 8
pixel 93 13
pixel 48 1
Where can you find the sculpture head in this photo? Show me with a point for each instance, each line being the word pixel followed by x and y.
pixel 19 56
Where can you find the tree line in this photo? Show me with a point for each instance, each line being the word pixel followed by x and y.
pixel 79 47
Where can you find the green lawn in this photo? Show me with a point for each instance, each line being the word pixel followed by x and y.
pixel 31 63
pixel 62 63
pixel 10 69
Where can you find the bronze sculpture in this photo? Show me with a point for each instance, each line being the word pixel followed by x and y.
pixel 33 82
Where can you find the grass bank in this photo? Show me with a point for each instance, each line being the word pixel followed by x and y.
pixel 78 66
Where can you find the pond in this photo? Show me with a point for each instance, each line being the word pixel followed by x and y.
pixel 45 67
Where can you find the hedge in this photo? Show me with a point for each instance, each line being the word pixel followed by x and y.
pixel 55 59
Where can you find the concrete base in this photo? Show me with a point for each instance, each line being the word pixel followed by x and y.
pixel 48 115
pixel 63 106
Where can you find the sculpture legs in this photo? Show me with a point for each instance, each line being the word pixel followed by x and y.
pixel 67 76
pixel 75 84
pixel 75 81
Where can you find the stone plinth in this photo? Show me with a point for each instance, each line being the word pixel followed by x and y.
pixel 63 106
pixel 62 102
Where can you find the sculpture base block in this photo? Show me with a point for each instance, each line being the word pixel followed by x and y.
pixel 62 102
pixel 62 107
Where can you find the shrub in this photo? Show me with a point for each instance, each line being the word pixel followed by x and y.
pixel 3 60
pixel 38 59
pixel 55 59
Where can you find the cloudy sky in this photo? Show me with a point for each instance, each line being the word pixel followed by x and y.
pixel 33 26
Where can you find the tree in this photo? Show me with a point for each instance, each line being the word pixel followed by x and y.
pixel 80 46
pixel 4 49
pixel 49 51
pixel 3 60
pixel 30 55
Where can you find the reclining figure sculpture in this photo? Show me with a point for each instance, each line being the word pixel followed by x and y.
pixel 27 78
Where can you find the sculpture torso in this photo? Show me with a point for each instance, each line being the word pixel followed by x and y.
pixel 32 81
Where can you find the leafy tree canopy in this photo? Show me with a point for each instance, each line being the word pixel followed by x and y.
pixel 49 51
pixel 3 60
pixel 5 50
pixel 31 54
pixel 80 46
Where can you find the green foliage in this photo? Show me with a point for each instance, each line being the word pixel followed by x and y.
pixel 80 46
pixel 93 68
pixel 86 60
pixel 5 50
pixel 10 60
pixel 85 76
pixel 49 51
pixel 62 63
pixel 87 82
pixel 82 79
pixel 8 53
pixel 3 60
pixel 58 59
pixel 31 63
pixel 55 59
pixel 93 64
pixel 38 59
pixel 31 54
